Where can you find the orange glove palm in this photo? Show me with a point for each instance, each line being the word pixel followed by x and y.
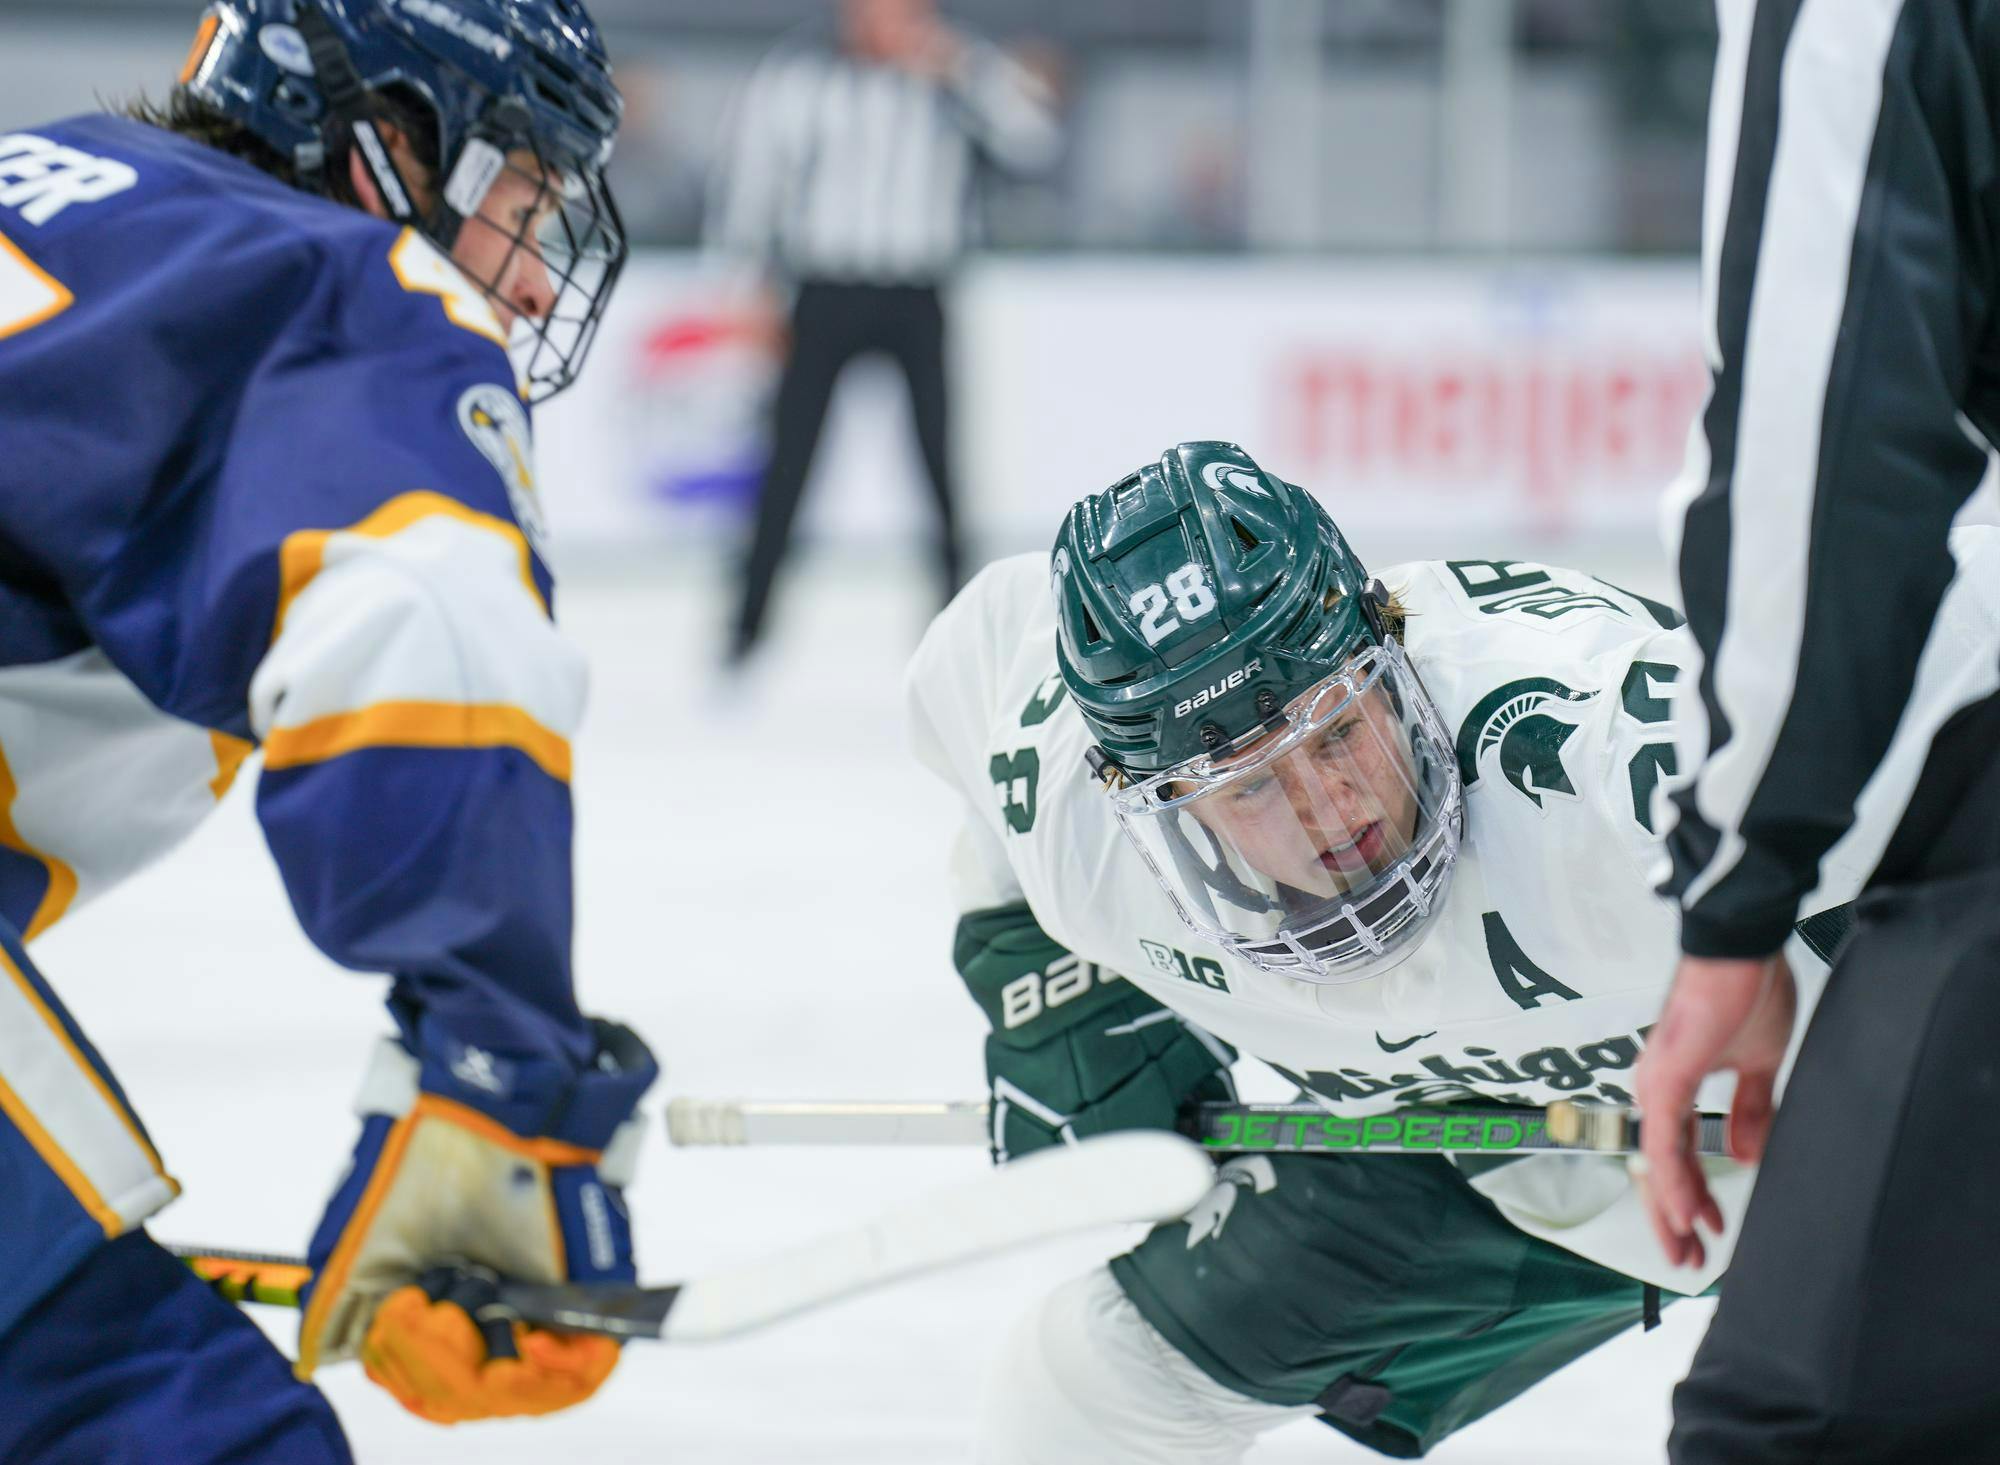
pixel 446 1354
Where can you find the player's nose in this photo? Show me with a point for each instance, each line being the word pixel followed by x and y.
pixel 530 291
pixel 1330 807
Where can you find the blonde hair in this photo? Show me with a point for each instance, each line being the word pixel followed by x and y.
pixel 1395 613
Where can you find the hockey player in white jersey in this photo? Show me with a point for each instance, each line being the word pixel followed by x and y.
pixel 1393 837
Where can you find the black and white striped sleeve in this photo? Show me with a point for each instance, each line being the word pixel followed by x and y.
pixel 1845 283
pixel 751 188
pixel 1005 108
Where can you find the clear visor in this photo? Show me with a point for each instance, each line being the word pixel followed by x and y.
pixel 1319 845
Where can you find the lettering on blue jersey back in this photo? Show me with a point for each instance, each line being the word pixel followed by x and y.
pixel 41 178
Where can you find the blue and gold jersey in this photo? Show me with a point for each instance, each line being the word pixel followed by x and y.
pixel 266 482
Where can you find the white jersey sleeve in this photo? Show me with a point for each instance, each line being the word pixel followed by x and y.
pixel 950 693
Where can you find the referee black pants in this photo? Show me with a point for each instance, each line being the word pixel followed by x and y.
pixel 831 325
pixel 1860 1320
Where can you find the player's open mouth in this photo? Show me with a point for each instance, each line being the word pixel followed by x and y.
pixel 1366 848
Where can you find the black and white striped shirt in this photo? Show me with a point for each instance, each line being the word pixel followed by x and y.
pixel 1849 280
pixel 851 171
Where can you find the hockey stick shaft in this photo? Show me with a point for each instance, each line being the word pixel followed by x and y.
pixel 280 1281
pixel 1113 1180
pixel 1226 1128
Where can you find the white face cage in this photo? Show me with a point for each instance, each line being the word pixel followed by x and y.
pixel 1320 845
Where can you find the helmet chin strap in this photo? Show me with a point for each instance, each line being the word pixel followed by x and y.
pixel 388 180
pixel 347 106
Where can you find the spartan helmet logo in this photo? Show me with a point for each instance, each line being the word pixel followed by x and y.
pixel 1231 475
pixel 1519 726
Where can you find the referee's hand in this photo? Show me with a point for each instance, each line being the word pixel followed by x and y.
pixel 926 46
pixel 1720 1014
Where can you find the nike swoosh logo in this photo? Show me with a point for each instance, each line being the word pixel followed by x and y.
pixel 1388 1047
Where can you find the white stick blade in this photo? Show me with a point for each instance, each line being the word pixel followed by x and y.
pixel 1116 1179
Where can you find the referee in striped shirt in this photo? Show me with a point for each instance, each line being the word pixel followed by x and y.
pixel 851 186
pixel 1851 274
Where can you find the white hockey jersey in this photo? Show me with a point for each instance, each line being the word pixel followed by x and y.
pixel 1540 979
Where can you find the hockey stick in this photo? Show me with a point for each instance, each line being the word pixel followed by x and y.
pixel 1231 1128
pixel 1112 1180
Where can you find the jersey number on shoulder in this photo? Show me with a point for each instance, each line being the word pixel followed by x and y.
pixel 421 270
pixel 1188 588
pixel 1653 761
pixel 1018 773
pixel 40 178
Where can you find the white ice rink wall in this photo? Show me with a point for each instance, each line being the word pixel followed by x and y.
pixel 1536 400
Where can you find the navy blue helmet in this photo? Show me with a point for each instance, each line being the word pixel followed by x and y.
pixel 501 82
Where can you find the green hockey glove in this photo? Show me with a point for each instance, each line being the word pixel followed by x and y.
pixel 1075 1049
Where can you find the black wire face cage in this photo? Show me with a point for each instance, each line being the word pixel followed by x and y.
pixel 566 221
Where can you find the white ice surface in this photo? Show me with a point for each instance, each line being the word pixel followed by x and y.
pixel 761 893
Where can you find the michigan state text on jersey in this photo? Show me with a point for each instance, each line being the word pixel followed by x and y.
pixel 1395 838
pixel 266 481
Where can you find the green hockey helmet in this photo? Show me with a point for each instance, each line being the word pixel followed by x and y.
pixel 1197 596
pixel 1274 756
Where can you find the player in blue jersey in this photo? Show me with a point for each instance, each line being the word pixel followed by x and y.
pixel 266 482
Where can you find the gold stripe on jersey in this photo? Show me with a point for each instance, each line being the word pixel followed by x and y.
pixel 419 725
pixel 229 755
pixel 58 1161
pixel 62 879
pixel 61 1103
pixel 303 553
